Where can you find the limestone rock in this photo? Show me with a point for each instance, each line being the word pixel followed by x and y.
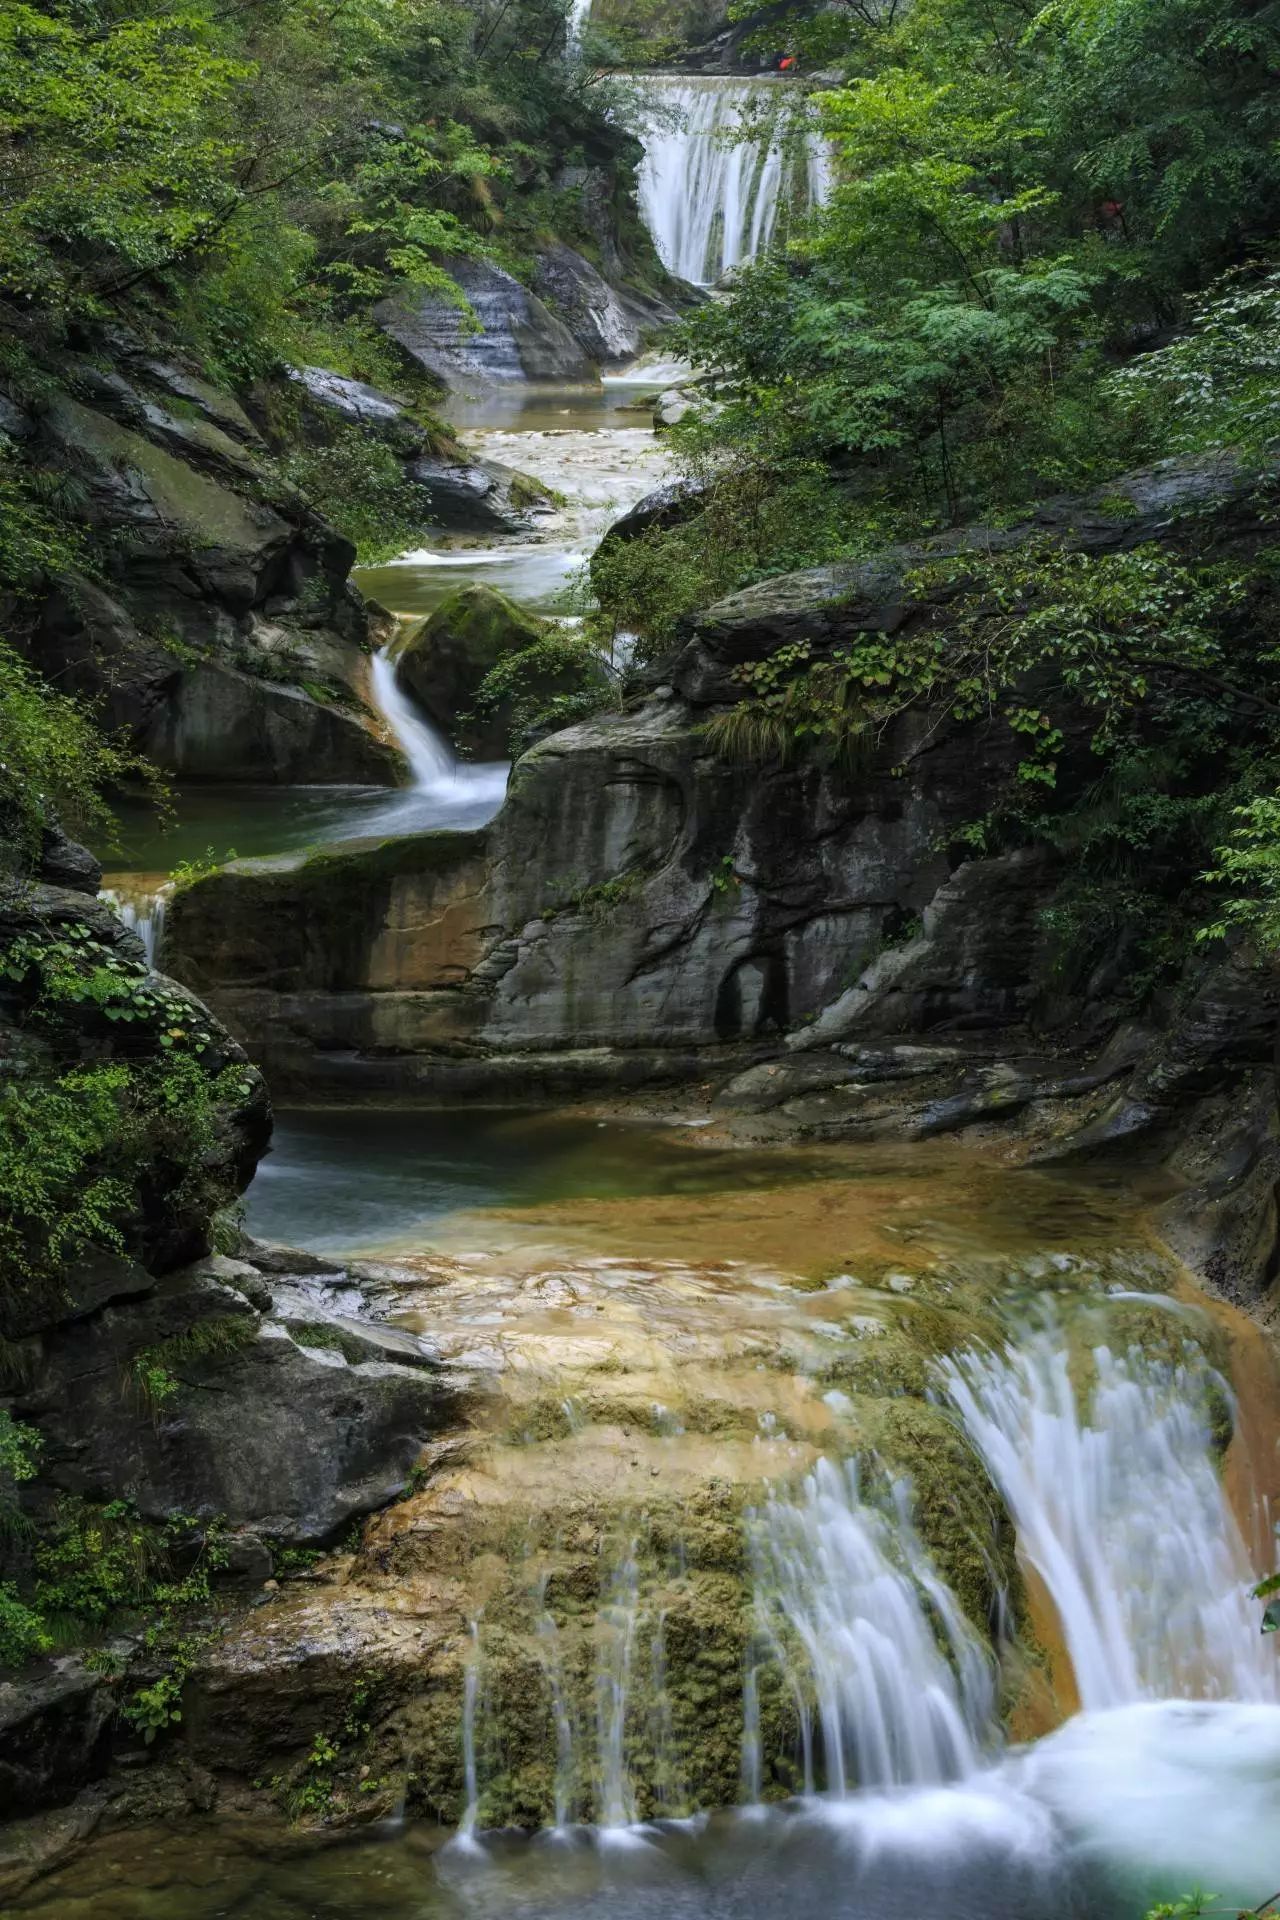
pixel 517 336
pixel 442 663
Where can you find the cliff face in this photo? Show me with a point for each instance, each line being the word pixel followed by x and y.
pixel 212 619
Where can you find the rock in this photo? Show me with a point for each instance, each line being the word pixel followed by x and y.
pixel 515 336
pixel 350 398
pixel 15 423
pixel 478 496
pixel 671 407
pixel 65 863
pixel 221 631
pixel 667 506
pixel 441 664
pixel 610 324
pixel 54 1733
pixel 220 723
pixel 289 1440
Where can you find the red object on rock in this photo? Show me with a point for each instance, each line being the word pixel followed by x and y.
pixel 787 61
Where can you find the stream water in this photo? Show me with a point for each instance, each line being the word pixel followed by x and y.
pixel 671 1324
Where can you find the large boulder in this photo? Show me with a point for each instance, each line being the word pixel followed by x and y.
pixel 508 333
pixel 442 663
pixel 472 495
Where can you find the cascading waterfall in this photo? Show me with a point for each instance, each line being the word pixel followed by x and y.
pixel 848 1600
pixel 619 1624
pixel 1120 1509
pixel 710 200
pixel 144 914
pixel 436 772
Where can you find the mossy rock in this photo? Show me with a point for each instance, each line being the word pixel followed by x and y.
pixel 442 663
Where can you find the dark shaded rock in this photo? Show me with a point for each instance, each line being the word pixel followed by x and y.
pixel 667 506
pixel 515 336
pixel 478 496
pixel 220 723
pixel 65 863
pixel 54 1733
pixel 15 423
pixel 442 663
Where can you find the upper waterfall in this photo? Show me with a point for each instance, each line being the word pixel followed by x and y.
pixel 712 200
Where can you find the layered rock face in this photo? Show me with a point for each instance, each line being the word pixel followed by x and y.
pixel 563 330
pixel 221 632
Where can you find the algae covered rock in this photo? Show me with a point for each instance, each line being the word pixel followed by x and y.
pixel 443 663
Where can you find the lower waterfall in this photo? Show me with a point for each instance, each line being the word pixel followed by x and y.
pixel 1119 1507
pixel 713 201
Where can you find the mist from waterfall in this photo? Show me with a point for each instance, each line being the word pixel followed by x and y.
pixel 713 201
pixel 1116 1495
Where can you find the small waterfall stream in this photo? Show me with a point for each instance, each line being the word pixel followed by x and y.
pixel 848 1586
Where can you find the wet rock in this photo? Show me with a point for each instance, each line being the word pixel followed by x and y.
pixel 442 663
pixel 478 496
pixel 54 1733
pixel 509 333
pixel 611 324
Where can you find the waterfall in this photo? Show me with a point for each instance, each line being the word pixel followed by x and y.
pixel 579 13
pixel 1119 1507
pixel 436 772
pixel 848 1599
pixel 619 1620
pixel 711 201
pixel 470 1714
pixel 144 913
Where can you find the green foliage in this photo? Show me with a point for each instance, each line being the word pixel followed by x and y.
pixel 55 764
pixel 79 1144
pixel 548 684
pixel 359 483
pixel 199 867
pixel 158 1373
pixel 796 707
pixel 23 1633
pixel 1249 865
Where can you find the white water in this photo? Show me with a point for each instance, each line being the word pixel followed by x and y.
pixel 452 786
pixel 847 1598
pixel 143 911
pixel 1120 1509
pixel 724 159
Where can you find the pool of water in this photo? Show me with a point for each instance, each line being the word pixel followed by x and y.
pixel 343 1179
pixel 1095 1823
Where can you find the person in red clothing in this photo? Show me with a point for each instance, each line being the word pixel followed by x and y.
pixel 786 63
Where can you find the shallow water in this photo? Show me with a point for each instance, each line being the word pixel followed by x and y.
pixel 341 1179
